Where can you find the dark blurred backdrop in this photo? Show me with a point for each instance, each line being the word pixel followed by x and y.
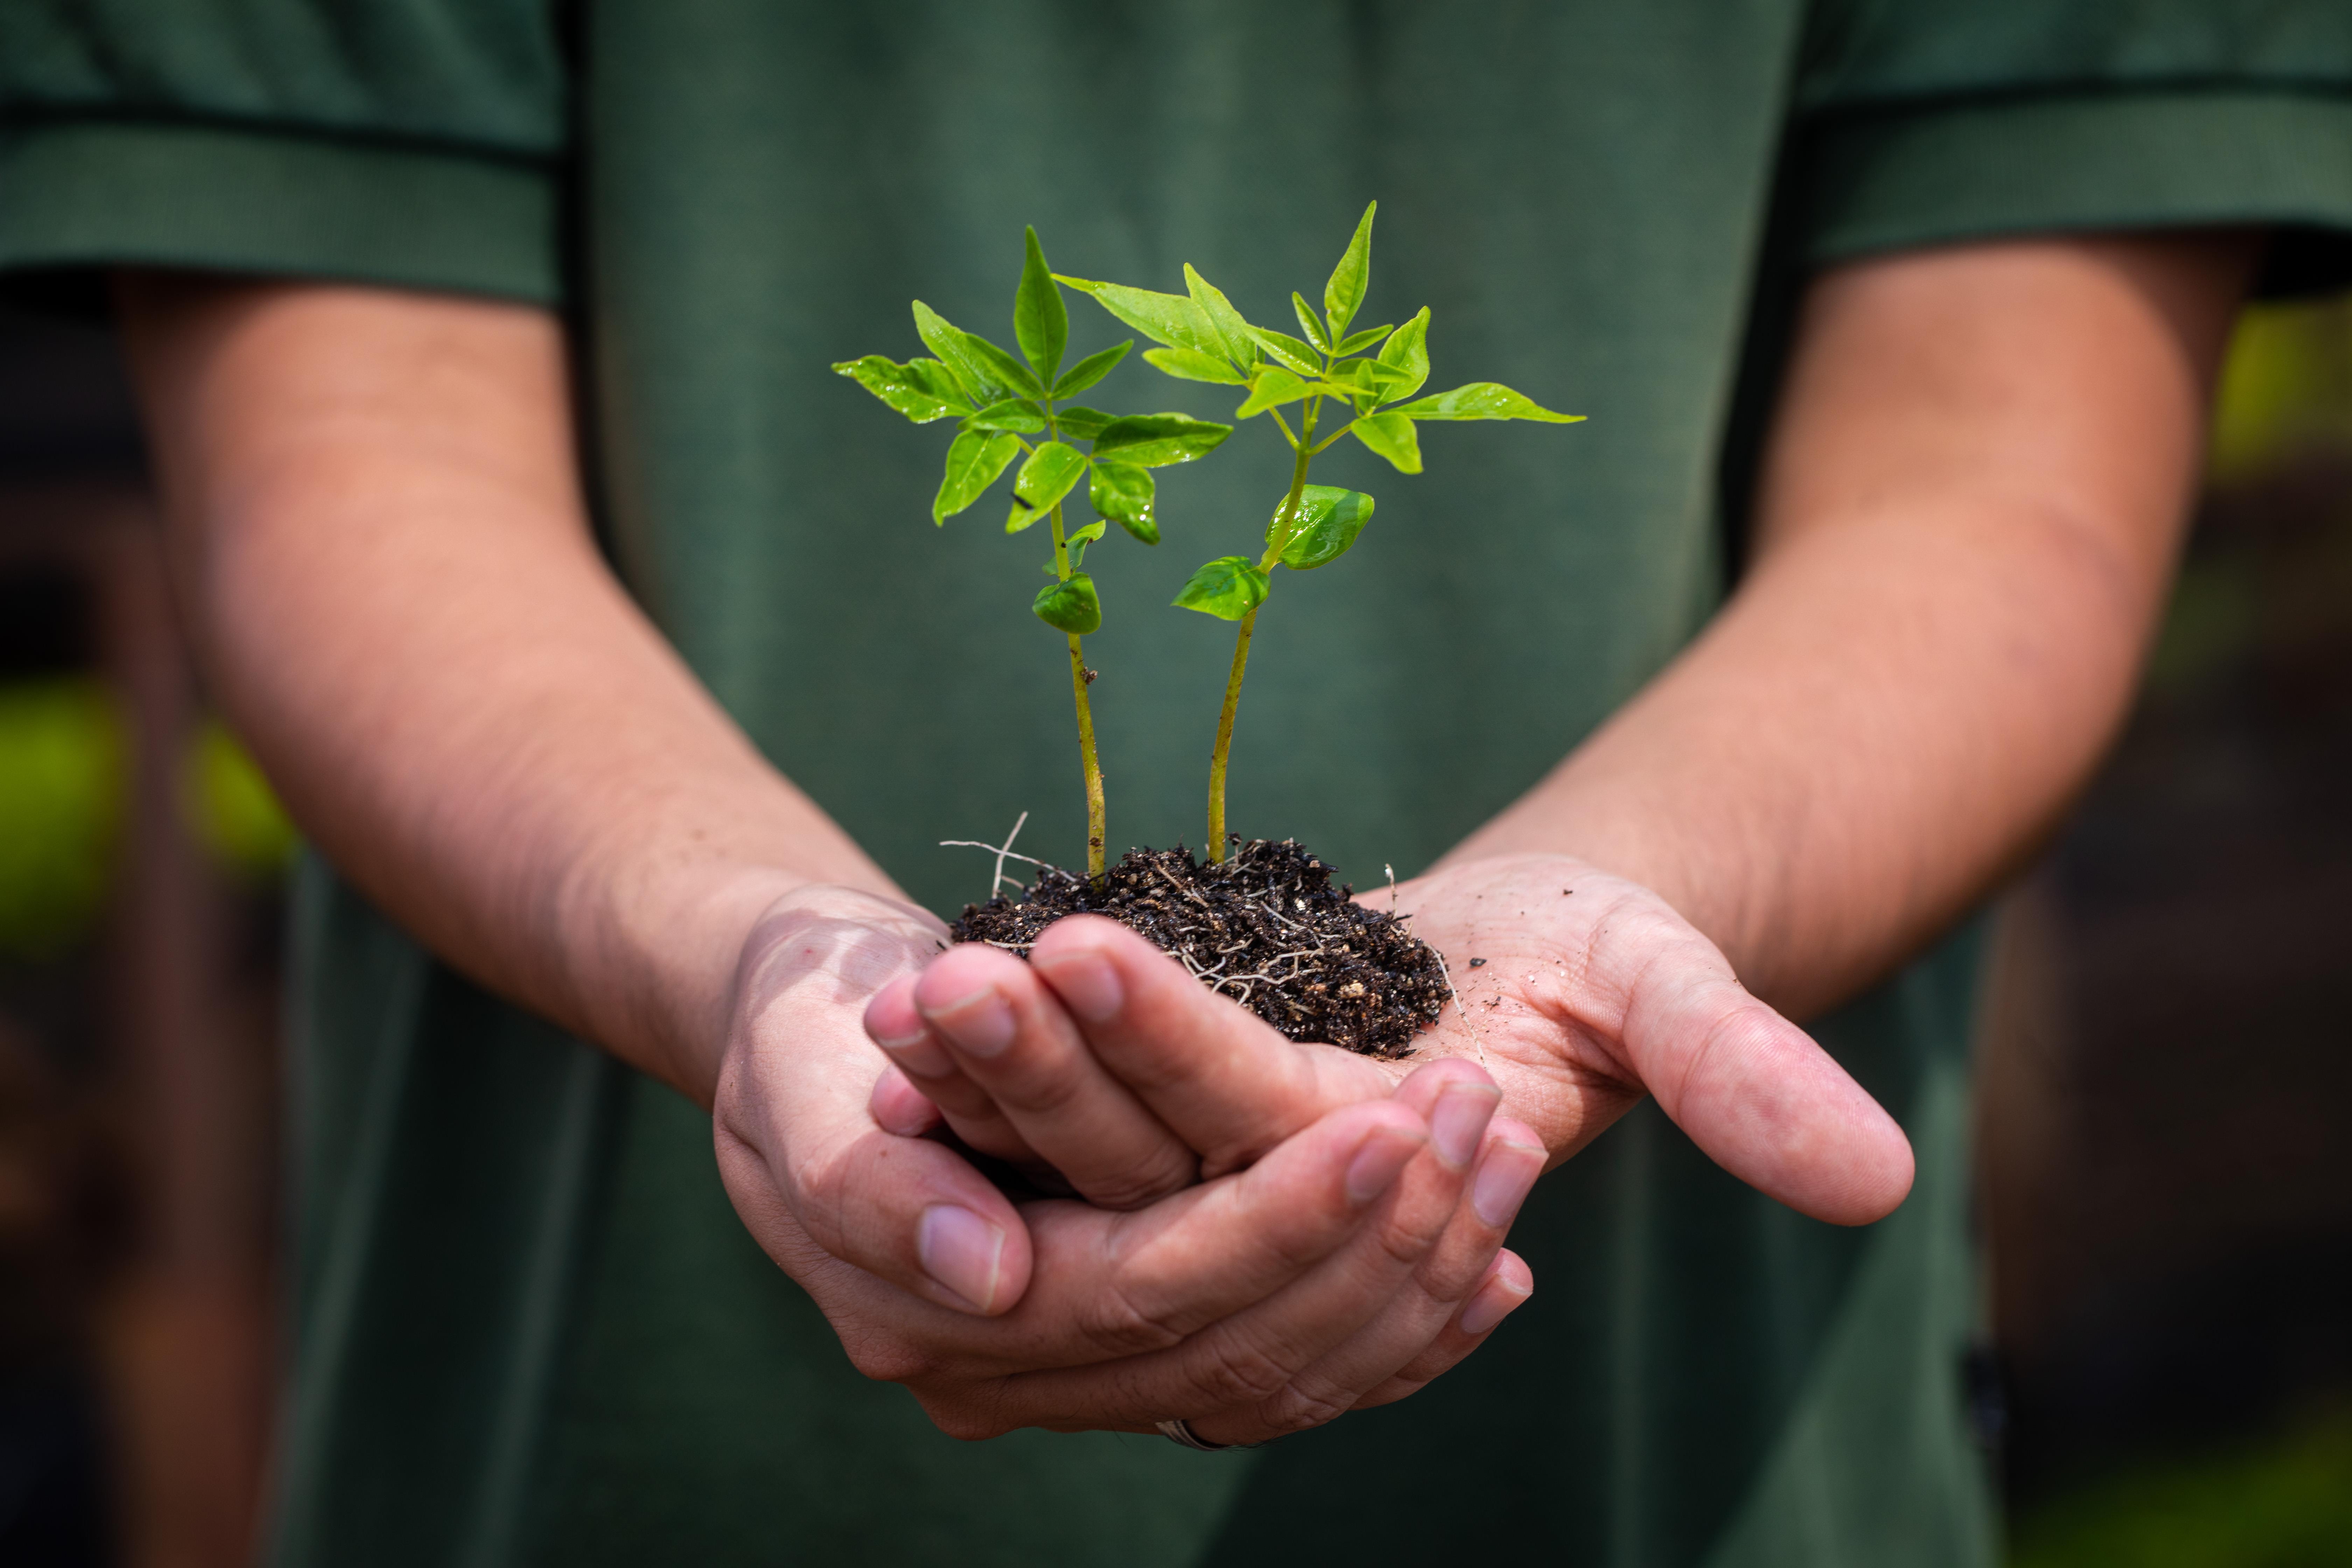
pixel 2166 1108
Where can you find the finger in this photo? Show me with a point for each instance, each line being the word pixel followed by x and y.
pixel 1503 1290
pixel 1749 1087
pixel 895 1024
pixel 1104 1287
pixel 903 1209
pixel 1413 1327
pixel 1229 1084
pixel 794 1135
pixel 1009 1038
pixel 1252 1359
pixel 898 1107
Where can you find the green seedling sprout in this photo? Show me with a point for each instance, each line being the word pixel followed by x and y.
pixel 998 400
pixel 1362 373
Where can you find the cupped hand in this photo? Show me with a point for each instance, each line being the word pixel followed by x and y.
pixel 1579 991
pixel 1582 992
pixel 1333 1271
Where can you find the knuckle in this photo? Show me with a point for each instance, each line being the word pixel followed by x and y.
pixel 963 1418
pixel 1116 1322
pixel 1034 1078
pixel 1402 1243
pixel 1241 1374
pixel 887 1359
pixel 1169 1170
pixel 1299 1406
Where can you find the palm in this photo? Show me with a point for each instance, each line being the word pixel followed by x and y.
pixel 1580 991
pixel 1514 960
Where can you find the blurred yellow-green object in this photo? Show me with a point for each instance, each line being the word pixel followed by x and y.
pixel 61 756
pixel 2285 1506
pixel 2286 388
pixel 230 806
pixel 63 774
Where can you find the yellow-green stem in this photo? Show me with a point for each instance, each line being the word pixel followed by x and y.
pixel 1274 547
pixel 1090 760
pixel 1226 740
pixel 1093 764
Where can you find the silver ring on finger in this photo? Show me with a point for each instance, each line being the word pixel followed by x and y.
pixel 1179 1432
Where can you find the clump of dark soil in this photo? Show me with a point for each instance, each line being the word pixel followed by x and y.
pixel 1264 926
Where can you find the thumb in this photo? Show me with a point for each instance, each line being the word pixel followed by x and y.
pixel 1749 1087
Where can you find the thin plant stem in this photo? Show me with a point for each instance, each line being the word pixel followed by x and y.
pixel 1274 547
pixel 1226 740
pixel 1090 760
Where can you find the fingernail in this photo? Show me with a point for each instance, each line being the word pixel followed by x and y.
pixel 980 1022
pixel 1460 1120
pixel 1491 1305
pixel 1384 1155
pixel 962 1251
pixel 1087 986
pixel 1504 1181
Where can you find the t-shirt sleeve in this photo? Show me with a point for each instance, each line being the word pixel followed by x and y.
pixel 419 143
pixel 1928 122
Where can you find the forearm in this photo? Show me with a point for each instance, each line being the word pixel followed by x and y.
pixel 1964 532
pixel 378 533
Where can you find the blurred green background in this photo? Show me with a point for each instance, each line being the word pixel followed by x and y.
pixel 63 753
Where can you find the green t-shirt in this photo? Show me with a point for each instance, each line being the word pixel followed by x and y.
pixel 530 1328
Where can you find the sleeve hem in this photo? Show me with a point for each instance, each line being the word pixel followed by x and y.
pixel 1952 172
pixel 91 193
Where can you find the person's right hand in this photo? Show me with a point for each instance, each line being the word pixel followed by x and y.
pixel 1348 1265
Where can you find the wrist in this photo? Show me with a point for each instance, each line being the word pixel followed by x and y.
pixel 653 951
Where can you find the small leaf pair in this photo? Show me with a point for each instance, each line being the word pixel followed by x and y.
pixel 1328 520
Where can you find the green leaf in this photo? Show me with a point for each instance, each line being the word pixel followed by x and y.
pixel 978 378
pixel 1313 328
pixel 1372 382
pixel 1229 587
pixel 1169 319
pixel 1483 400
pixel 929 376
pixel 1013 414
pixel 1408 352
pixel 1007 369
pixel 1238 345
pixel 1393 436
pixel 1079 422
pixel 1344 291
pixel 1271 388
pixel 1328 520
pixel 1070 607
pixel 1076 543
pixel 1156 440
pixel 1289 349
pixel 891 382
pixel 1357 342
pixel 1192 364
pixel 1127 495
pixel 1041 322
pixel 1051 471
pixel 974 460
pixel 1090 370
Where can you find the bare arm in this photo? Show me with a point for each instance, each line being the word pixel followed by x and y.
pixel 1973 497
pixel 378 529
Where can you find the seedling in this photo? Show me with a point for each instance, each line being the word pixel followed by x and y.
pixel 998 400
pixel 1362 373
